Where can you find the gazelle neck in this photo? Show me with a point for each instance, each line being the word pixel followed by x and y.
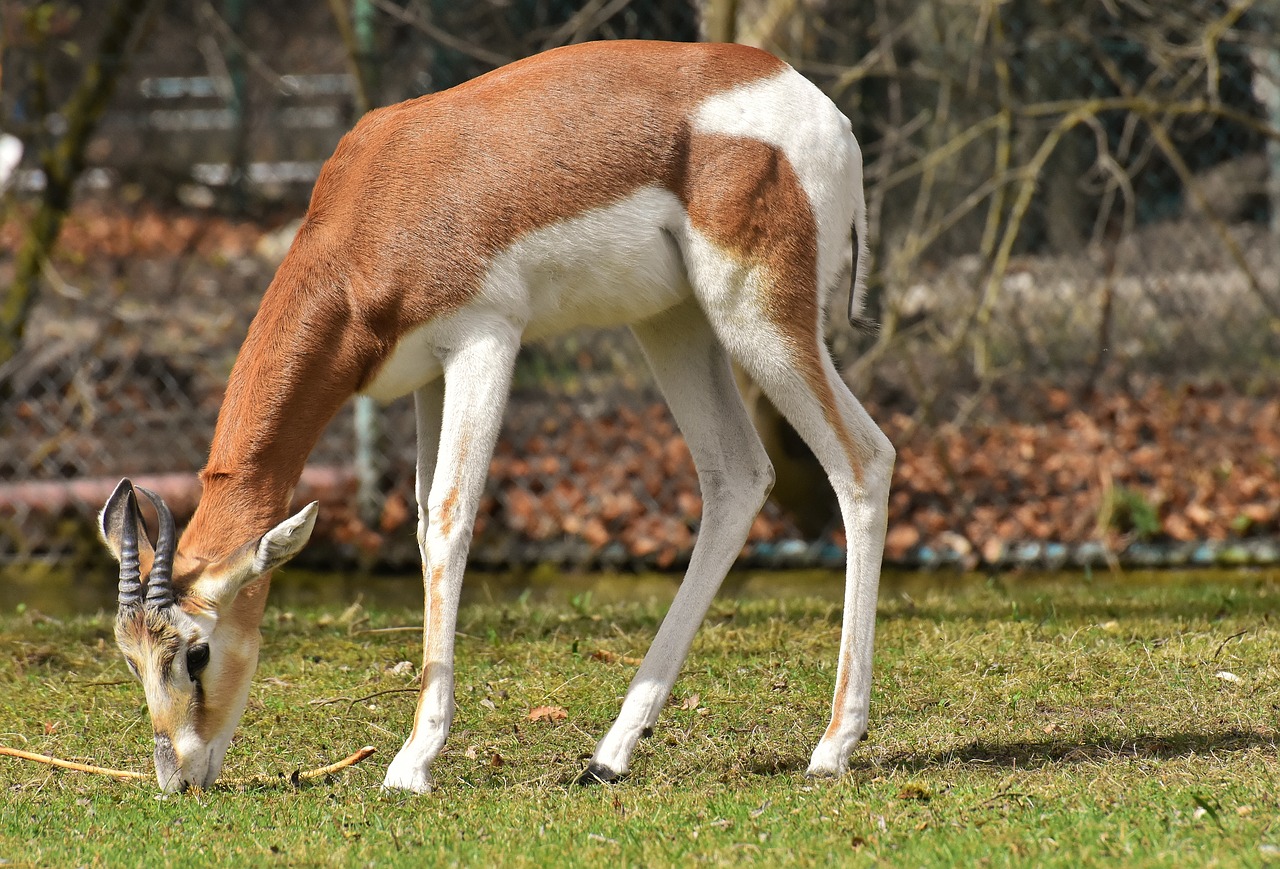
pixel 302 359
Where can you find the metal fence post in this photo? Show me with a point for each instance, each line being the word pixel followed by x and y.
pixel 1266 88
pixel 369 459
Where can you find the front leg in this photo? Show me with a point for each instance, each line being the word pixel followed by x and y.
pixel 477 378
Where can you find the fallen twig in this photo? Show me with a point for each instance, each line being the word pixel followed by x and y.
pixel 70 764
pixel 342 764
pixel 350 701
pixel 1223 644
pixel 350 760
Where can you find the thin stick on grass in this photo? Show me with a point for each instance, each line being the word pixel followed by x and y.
pixel 352 702
pixel 350 760
pixel 70 764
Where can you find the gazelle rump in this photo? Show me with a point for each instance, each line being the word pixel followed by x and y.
pixel 704 195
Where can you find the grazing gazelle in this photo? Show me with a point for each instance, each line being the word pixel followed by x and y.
pixel 704 195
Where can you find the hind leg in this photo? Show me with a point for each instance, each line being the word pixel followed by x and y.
pixel 858 459
pixel 767 313
pixel 735 477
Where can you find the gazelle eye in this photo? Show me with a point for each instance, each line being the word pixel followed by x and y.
pixel 197 660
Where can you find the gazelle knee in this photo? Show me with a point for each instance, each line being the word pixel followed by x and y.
pixel 766 477
pixel 450 521
pixel 759 478
pixel 880 462
pixel 422 530
pixel 750 484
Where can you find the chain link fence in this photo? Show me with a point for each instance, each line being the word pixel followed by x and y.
pixel 1073 208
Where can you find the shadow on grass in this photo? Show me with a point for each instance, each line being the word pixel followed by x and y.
pixel 279 782
pixel 1089 612
pixel 1035 754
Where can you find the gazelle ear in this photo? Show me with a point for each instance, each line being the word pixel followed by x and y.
pixel 285 540
pixel 223 580
pixel 122 507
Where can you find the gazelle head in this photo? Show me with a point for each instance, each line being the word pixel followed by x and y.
pixel 191 637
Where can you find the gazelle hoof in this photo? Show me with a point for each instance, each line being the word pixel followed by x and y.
pixel 406 775
pixel 822 772
pixel 598 774
pixel 829 761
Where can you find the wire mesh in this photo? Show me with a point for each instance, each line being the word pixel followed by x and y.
pixel 1076 196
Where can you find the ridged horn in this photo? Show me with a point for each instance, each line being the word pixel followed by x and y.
pixel 121 512
pixel 160 583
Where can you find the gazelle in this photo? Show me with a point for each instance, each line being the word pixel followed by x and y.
pixel 704 195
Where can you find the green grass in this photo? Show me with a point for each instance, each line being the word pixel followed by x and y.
pixel 1013 722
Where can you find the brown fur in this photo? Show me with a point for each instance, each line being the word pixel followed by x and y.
pixel 449 507
pixel 745 197
pixel 433 629
pixel 837 706
pixel 407 214
pixel 448 512
pixel 420 197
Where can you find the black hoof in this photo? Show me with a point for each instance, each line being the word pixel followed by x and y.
pixel 598 774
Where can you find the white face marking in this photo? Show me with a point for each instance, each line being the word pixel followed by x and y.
pixel 171 693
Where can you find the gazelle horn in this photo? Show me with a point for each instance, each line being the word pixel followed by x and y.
pixel 126 512
pixel 160 583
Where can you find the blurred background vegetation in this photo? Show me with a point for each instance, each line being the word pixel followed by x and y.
pixel 1074 209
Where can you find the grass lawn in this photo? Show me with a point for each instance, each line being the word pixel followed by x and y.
pixel 1014 721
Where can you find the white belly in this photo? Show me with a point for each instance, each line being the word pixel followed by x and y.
pixel 610 266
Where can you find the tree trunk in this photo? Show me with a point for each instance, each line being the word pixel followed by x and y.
pixel 63 162
pixel 722 21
